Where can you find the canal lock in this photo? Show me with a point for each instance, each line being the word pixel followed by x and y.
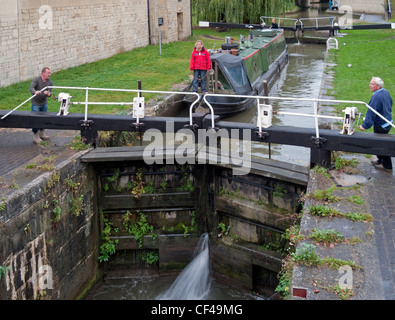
pixel 152 217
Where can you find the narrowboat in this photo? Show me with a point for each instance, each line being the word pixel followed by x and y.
pixel 244 68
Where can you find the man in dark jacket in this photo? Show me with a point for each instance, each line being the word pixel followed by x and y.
pixel 382 103
pixel 200 63
pixel 39 102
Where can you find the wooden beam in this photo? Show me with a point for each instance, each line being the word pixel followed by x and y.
pixel 329 140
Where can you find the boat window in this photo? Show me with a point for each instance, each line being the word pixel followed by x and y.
pixel 239 77
pixel 223 81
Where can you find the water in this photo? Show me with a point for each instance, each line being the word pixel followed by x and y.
pixel 194 282
pixel 149 288
pixel 300 78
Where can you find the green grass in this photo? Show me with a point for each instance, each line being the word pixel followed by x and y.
pixel 122 71
pixel 370 53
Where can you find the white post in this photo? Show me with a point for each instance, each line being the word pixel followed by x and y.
pixel 317 134
pixel 86 103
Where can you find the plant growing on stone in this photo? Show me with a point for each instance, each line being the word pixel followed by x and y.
pixel 306 255
pixel 326 195
pixel 150 257
pixel 341 163
pixel 186 183
pixel 76 205
pixel 138 184
pixel 52 181
pixel 77 201
pixel 223 230
pixel 107 247
pixel 326 236
pixel 56 211
pixel 321 170
pixel 138 229
pixel 3 203
pixel 26 229
pixel 325 211
pixel 150 187
pixel 342 293
pixel 3 270
pixel 292 234
pixel 285 277
pixel 163 184
pixel 279 192
pixel 78 144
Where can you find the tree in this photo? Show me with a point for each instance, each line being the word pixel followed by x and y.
pixel 239 11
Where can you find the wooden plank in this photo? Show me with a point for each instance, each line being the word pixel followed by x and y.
pixel 359 142
pixel 252 213
pixel 164 154
pixel 147 201
pixel 176 251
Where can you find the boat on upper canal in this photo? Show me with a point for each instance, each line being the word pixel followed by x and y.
pixel 244 68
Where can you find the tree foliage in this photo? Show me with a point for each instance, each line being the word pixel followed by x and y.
pixel 239 11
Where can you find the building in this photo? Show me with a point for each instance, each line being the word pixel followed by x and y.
pixel 67 33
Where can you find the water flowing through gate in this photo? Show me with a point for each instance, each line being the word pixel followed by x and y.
pixel 194 282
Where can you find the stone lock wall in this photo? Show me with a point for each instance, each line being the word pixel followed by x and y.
pixel 48 236
pixel 63 34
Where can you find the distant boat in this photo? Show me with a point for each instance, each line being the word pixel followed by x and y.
pixel 241 68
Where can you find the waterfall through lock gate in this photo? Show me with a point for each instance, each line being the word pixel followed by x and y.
pixel 194 281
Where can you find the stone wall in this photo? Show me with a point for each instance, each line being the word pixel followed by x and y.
pixel 63 34
pixel 176 16
pixel 49 236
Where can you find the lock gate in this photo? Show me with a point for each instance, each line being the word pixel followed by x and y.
pixel 210 126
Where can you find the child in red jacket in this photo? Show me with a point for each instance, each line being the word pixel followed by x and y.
pixel 200 63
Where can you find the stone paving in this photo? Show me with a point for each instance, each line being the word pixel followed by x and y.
pixel 374 251
pixel 17 150
pixel 381 202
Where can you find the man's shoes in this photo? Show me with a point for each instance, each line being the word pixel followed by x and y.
pixel 36 138
pixel 376 162
pixel 42 135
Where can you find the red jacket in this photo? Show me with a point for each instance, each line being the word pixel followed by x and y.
pixel 200 60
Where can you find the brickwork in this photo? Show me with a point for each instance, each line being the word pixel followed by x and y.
pixel 63 34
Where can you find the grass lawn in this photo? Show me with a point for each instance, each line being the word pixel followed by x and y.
pixel 122 71
pixel 370 54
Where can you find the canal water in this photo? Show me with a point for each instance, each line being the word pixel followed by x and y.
pixel 301 78
pixel 149 288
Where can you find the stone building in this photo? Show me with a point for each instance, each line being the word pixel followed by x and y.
pixel 66 33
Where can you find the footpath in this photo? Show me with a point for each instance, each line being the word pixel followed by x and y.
pixel 368 247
